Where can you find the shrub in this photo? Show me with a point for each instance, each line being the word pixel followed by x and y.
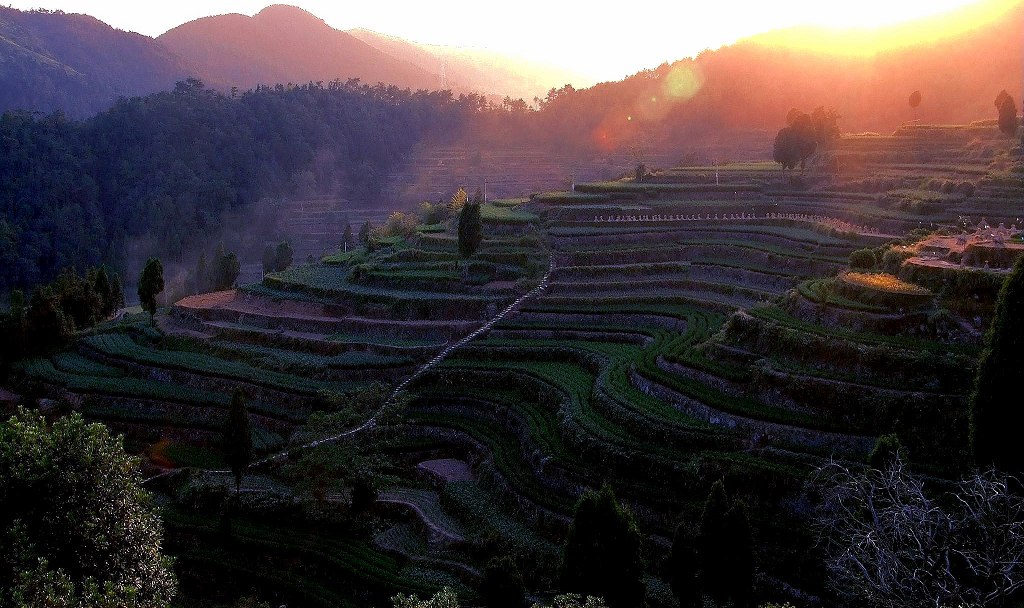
pixel 863 259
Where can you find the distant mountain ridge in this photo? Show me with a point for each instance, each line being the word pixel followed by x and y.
pixel 479 70
pixel 283 44
pixel 76 63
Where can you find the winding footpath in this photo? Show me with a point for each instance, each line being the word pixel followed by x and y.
pixel 371 422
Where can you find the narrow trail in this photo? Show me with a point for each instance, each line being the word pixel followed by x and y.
pixel 371 422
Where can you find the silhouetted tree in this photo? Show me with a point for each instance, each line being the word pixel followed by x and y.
pixel 1007 113
pixel 347 238
pixel 116 292
pixel 915 99
pixel 996 416
pixel 741 542
pixel 269 259
pixel 363 495
pixel 237 438
pixel 725 549
pixel 283 256
pixel 684 566
pixel 364 234
pixel 202 274
pixel 46 325
pixel 602 554
pixel 151 283
pixel 502 585
pixel 712 544
pixel 101 287
pixel 470 229
pixel 797 141
pixel 226 269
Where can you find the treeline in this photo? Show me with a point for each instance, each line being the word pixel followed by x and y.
pixel 57 310
pixel 168 167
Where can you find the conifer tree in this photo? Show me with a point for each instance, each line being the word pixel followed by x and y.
pixel 712 544
pixel 237 440
pixel 151 283
pixel 470 229
pixel 346 237
pixel 683 567
pixel 502 585
pixel 602 553
pixel 996 416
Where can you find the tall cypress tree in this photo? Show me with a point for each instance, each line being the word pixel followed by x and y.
pixel 602 554
pixel 996 416
pixel 713 549
pixel 151 283
pixel 683 567
pixel 237 440
pixel 741 544
pixel 470 229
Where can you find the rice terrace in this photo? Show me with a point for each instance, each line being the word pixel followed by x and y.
pixel 776 365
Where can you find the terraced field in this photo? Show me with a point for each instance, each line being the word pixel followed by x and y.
pixel 679 332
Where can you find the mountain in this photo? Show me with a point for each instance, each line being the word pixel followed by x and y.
pixel 476 69
pixel 703 102
pixel 283 44
pixel 76 63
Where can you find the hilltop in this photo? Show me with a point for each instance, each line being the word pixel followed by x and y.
pixel 76 63
pixel 285 44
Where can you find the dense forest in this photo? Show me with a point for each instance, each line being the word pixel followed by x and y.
pixel 171 165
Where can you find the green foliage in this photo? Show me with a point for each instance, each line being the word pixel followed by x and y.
pixel 276 259
pixel 151 283
pixel 348 239
pixel 862 259
pixel 886 449
pixel 176 166
pixel 573 600
pixel 445 598
pixel 76 526
pixel 237 438
pixel 470 229
pixel 995 415
pixel 364 234
pixel 602 554
pixel 283 256
pixel 502 585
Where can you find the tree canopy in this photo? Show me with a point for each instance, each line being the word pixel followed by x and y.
pixel 1007 113
pixel 151 283
pixel 996 415
pixel 237 438
pixel 602 555
pixel 76 526
pixel 470 229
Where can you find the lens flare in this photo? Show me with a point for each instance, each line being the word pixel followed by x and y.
pixel 683 82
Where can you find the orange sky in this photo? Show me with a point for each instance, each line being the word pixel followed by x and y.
pixel 602 42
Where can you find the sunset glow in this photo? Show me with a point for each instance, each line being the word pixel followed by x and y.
pixel 598 43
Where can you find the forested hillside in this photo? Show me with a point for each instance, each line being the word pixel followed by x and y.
pixel 168 167
pixel 77 64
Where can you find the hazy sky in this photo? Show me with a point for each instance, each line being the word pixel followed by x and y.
pixel 603 40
